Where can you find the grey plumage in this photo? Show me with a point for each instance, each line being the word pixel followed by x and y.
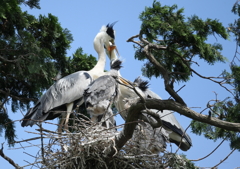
pixel 62 95
pixel 149 140
pixel 52 103
pixel 102 92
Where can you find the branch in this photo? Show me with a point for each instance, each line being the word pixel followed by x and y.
pixel 128 129
pixel 211 152
pixel 146 47
pixel 183 110
pixel 155 116
pixel 165 74
pixel 16 97
pixel 9 159
pixel 204 77
pixel 16 60
pixel 224 159
pixel 134 113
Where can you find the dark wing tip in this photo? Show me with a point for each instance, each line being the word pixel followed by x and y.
pixel 116 64
pixel 143 85
pixel 110 30
pixel 178 131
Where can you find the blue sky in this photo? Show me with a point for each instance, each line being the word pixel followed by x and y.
pixel 85 18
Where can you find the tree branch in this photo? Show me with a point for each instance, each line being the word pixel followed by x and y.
pixel 183 110
pixel 152 59
pixel 134 113
pixel 16 97
pixel 128 129
pixel 9 159
pixel 165 74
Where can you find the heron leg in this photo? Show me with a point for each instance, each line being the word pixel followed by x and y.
pixel 65 118
pixel 69 110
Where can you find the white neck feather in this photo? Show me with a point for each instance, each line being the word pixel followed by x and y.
pixel 98 46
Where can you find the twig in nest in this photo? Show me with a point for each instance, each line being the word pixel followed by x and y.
pixel 114 146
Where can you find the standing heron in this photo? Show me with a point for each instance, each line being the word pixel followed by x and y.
pixel 60 98
pixel 101 93
pixel 170 123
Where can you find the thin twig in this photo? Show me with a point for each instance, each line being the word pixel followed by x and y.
pixel 224 159
pixel 211 152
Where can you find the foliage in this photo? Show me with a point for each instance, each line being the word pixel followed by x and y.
pixel 181 40
pixel 228 109
pixel 80 61
pixel 8 126
pixel 31 51
pixel 234 27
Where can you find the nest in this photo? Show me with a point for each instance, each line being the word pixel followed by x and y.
pixel 87 147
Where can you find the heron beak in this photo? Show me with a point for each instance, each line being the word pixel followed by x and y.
pixel 124 81
pixel 111 48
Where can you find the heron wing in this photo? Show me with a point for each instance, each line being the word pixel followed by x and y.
pixel 170 121
pixel 101 89
pixel 65 90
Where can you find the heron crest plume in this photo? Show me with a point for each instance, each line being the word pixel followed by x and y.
pixel 110 31
pixel 116 64
pixel 142 84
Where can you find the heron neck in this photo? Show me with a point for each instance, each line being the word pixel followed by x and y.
pixel 98 46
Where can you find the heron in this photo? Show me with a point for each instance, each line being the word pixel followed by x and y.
pixel 147 138
pixel 101 93
pixel 177 134
pixel 60 98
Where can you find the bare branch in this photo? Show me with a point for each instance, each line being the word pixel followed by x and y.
pixel 16 97
pixel 150 121
pixel 204 77
pixel 183 110
pixel 128 129
pixel 211 152
pixel 224 159
pixel 146 47
pixel 131 38
pixel 9 159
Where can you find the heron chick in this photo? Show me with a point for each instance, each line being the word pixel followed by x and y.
pixel 102 92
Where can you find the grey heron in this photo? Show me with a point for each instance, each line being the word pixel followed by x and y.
pixel 148 139
pixel 60 98
pixel 101 93
pixel 170 123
